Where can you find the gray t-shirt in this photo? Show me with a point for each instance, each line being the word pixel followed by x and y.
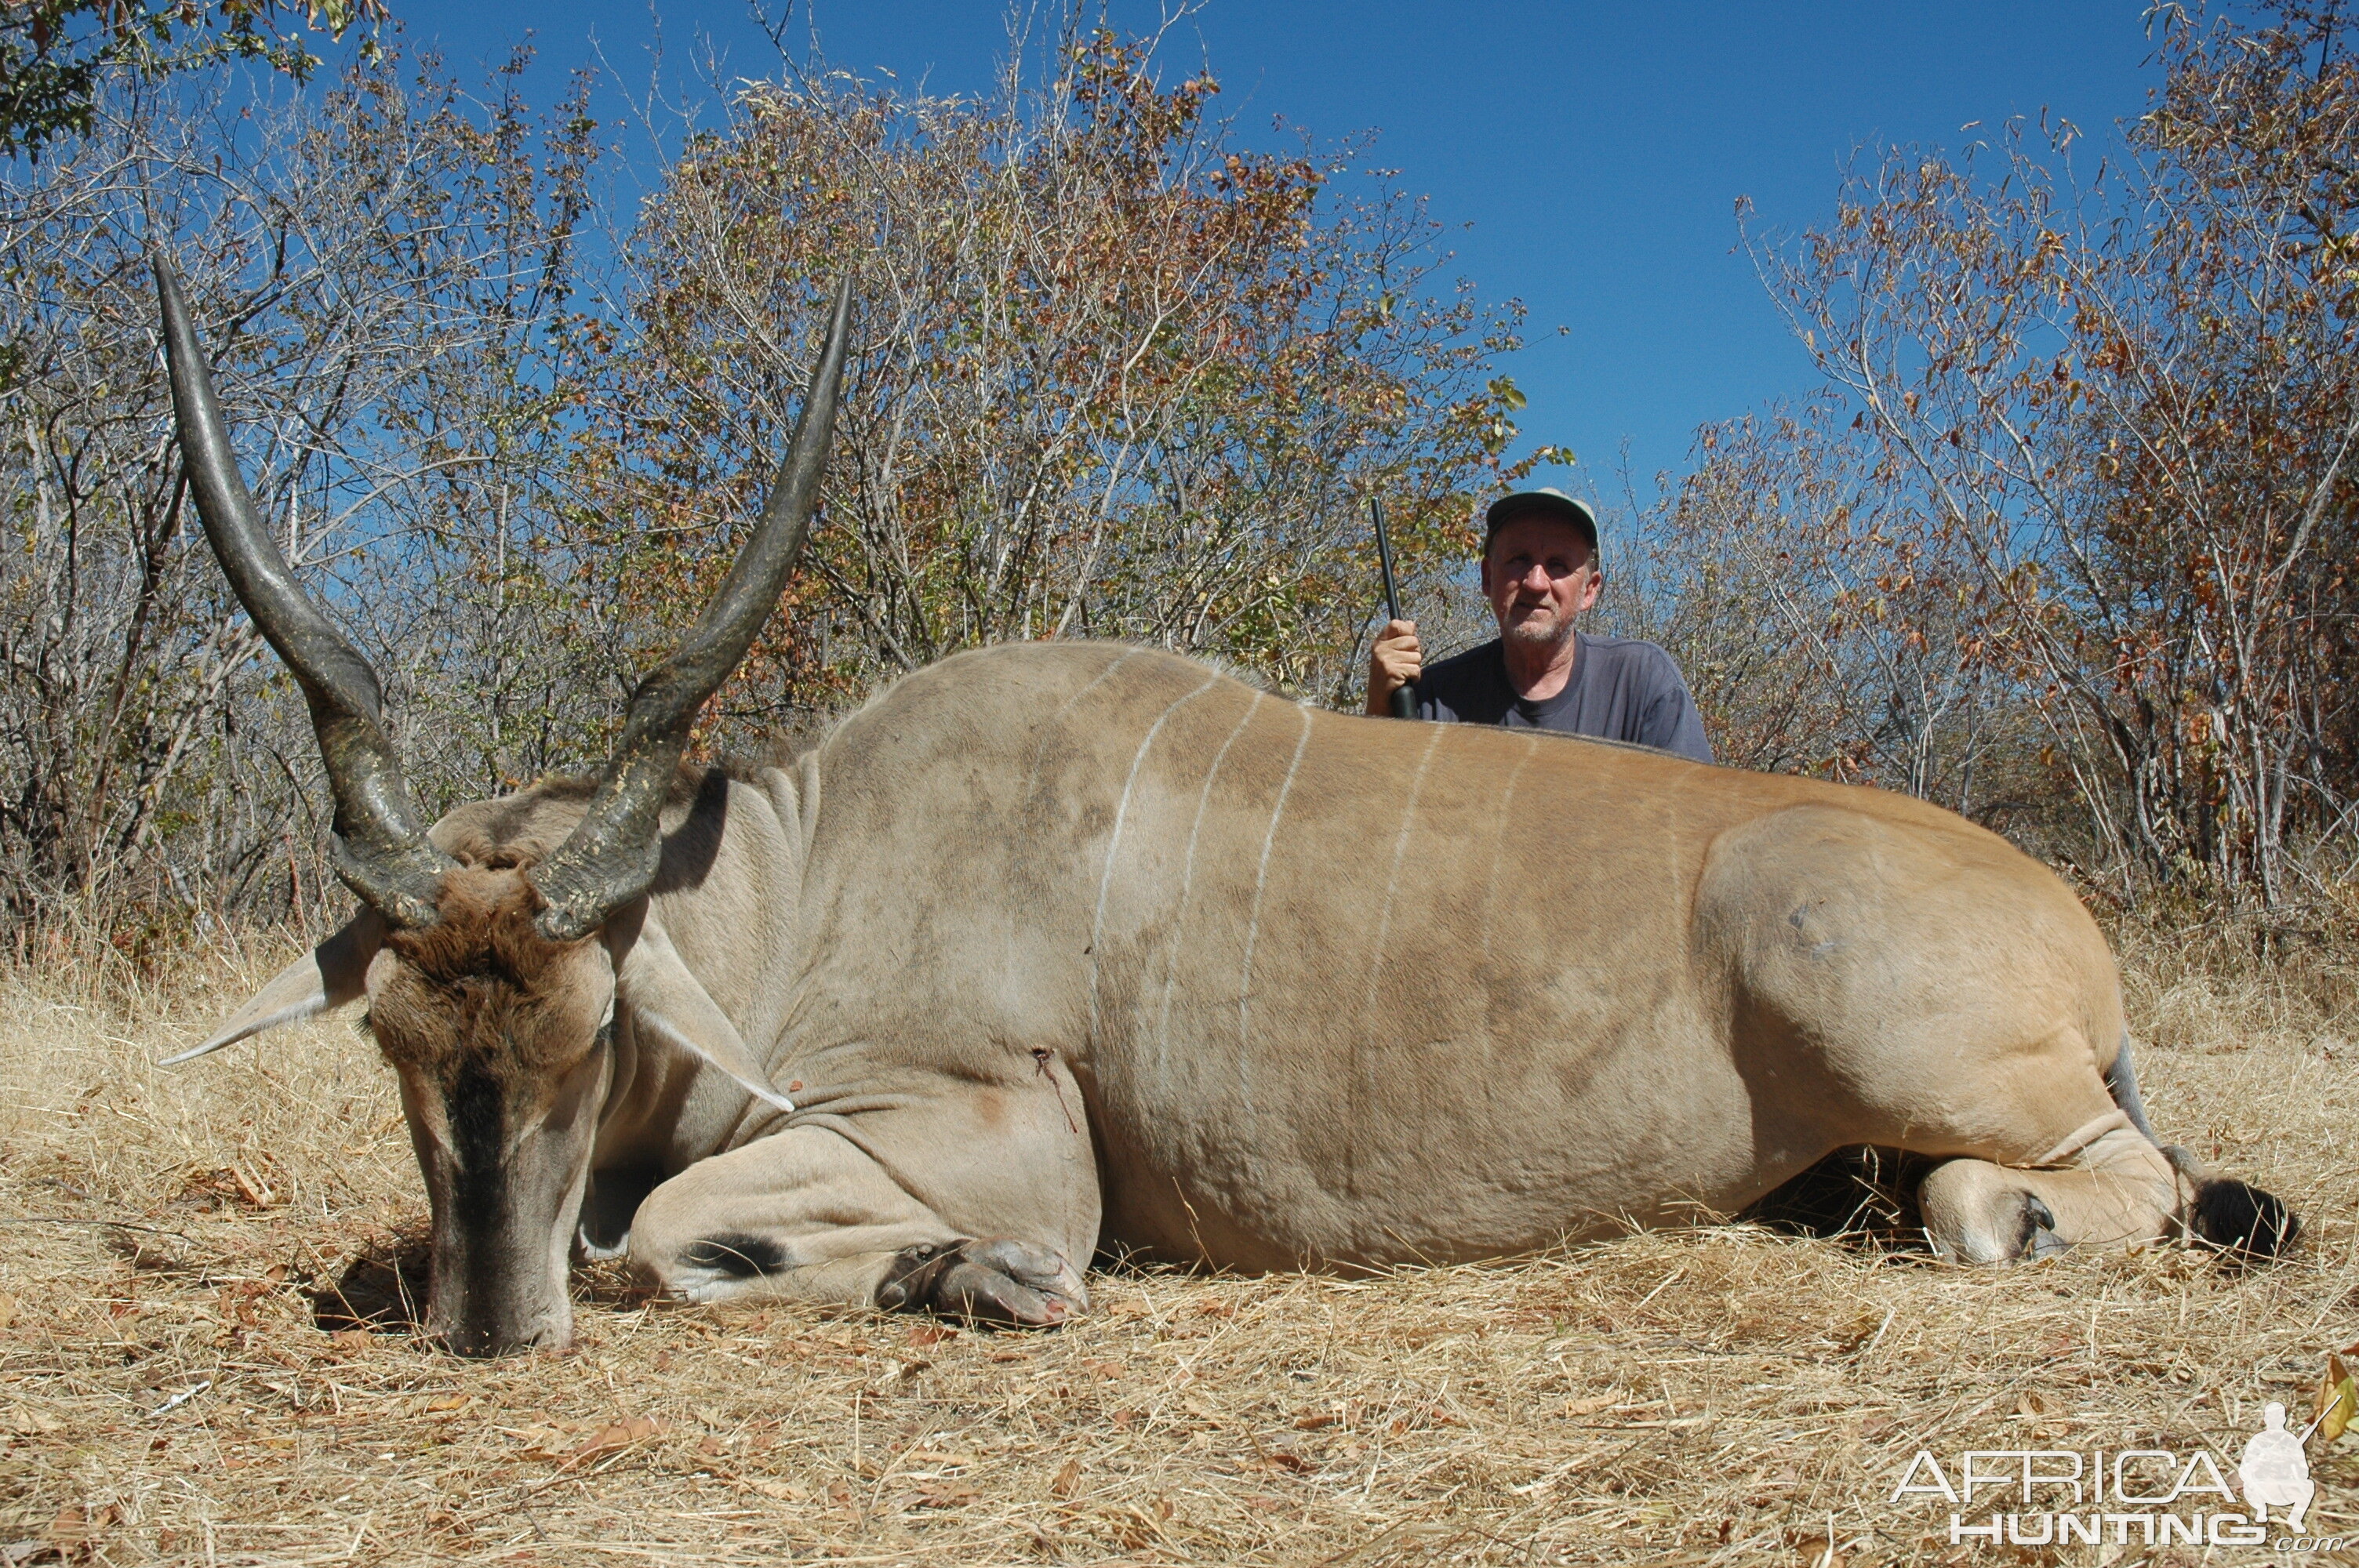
pixel 1621 689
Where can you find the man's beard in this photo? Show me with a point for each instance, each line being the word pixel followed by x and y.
pixel 1538 633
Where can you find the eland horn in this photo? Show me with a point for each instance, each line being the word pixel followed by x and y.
pixel 610 859
pixel 381 851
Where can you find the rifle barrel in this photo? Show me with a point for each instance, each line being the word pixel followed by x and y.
pixel 1385 558
pixel 1403 700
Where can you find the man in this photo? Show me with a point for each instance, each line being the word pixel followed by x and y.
pixel 1540 572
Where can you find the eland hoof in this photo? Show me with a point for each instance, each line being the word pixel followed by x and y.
pixel 997 1280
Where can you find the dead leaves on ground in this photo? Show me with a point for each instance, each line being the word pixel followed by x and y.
pixel 575 1445
pixel 244 1183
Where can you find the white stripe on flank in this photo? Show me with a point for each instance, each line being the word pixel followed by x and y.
pixel 1356 1095
pixel 1499 845
pixel 1252 926
pixel 1030 778
pixel 1392 882
pixel 1187 881
pixel 1023 803
pixel 1114 843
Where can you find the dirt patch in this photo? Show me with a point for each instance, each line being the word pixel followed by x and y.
pixel 383 1291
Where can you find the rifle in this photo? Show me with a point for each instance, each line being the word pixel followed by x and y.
pixel 1403 699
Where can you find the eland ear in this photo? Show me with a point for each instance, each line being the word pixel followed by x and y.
pixel 330 975
pixel 667 1000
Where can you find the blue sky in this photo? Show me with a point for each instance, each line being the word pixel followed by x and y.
pixel 1586 157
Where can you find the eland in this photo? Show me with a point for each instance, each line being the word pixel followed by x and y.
pixel 1056 946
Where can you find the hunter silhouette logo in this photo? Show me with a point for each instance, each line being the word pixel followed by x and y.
pixel 2276 1472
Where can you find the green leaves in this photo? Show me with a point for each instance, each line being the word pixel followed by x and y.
pixel 56 54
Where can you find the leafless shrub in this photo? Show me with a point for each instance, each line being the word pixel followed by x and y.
pixel 377 270
pixel 1119 377
pixel 2120 408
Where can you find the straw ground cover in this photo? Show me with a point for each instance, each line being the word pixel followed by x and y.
pixel 169 1391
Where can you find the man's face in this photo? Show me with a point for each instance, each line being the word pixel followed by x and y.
pixel 1539 575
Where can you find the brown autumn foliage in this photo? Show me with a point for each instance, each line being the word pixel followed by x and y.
pixel 1118 377
pixel 376 271
pixel 2098 474
pixel 2065 542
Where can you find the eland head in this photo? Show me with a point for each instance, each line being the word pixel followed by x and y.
pixel 492 973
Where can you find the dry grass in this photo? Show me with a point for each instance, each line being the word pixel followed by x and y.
pixel 1723 1395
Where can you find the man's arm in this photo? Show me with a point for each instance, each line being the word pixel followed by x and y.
pixel 1396 661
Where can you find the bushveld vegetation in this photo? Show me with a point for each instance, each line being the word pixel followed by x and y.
pixel 1118 378
pixel 2065 542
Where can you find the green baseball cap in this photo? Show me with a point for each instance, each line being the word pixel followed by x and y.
pixel 1541 502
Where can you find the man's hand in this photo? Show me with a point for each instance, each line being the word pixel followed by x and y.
pixel 1397 659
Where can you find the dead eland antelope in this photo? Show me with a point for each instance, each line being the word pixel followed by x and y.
pixel 1059 945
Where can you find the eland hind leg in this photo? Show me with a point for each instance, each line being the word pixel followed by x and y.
pixel 1920 985
pixel 2233 1216
pixel 2108 1187
pixel 2112 1184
